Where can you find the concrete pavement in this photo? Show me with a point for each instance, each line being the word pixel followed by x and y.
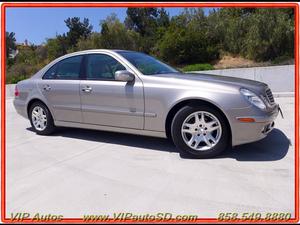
pixel 76 172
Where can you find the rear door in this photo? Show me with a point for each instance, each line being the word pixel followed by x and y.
pixel 106 101
pixel 60 87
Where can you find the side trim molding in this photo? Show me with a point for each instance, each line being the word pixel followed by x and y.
pixel 112 129
pixel 64 107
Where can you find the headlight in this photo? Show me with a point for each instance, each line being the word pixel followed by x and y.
pixel 253 98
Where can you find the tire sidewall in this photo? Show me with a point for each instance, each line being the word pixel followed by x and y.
pixel 178 140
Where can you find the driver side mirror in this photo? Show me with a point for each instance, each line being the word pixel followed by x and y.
pixel 124 75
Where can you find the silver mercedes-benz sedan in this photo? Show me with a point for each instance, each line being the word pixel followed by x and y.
pixel 131 92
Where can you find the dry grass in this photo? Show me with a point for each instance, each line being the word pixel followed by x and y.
pixel 228 61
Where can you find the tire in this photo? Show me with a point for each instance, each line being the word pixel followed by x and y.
pixel 46 125
pixel 214 128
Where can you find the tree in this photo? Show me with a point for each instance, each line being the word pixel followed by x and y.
pixel 149 23
pixel 186 40
pixel 114 35
pixel 77 29
pixel 57 47
pixel 141 20
pixel 41 53
pixel 10 43
pixel 259 34
pixel 272 39
pixel 92 42
pixel 26 63
pixel 163 19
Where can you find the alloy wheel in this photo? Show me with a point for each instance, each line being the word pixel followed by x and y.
pixel 39 118
pixel 201 131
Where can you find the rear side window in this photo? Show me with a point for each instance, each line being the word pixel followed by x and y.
pixel 50 74
pixel 102 67
pixel 67 69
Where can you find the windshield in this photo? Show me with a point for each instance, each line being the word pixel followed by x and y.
pixel 146 64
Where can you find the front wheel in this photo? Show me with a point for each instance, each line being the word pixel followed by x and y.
pixel 200 131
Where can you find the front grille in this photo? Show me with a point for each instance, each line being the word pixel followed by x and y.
pixel 269 96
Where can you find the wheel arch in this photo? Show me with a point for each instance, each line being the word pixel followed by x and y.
pixel 33 100
pixel 193 102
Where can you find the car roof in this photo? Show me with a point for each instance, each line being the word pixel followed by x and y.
pixel 122 50
pixel 107 50
pixel 91 51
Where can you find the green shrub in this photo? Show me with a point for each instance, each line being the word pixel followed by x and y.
pixel 197 67
pixel 282 60
pixel 20 71
pixel 15 79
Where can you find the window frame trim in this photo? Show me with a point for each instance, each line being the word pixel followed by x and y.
pixel 85 60
pixel 81 75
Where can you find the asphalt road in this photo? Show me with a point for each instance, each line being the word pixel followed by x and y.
pixel 77 172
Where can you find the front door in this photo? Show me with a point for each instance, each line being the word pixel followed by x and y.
pixel 107 102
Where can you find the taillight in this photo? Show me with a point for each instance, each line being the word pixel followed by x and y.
pixel 17 93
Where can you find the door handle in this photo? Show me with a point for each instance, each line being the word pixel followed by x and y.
pixel 47 87
pixel 87 89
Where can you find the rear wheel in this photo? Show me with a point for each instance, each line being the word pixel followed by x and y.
pixel 200 131
pixel 41 119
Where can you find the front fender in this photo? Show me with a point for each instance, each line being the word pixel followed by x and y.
pixel 160 99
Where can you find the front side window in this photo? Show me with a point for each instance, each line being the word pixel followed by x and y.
pixel 66 69
pixel 146 64
pixel 102 67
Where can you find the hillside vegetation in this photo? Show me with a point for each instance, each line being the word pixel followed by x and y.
pixel 191 40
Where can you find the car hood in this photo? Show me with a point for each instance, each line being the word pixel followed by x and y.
pixel 233 81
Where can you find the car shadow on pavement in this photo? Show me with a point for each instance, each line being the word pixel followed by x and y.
pixel 274 147
pixel 130 140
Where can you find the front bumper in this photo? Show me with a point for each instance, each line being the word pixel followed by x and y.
pixel 247 132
